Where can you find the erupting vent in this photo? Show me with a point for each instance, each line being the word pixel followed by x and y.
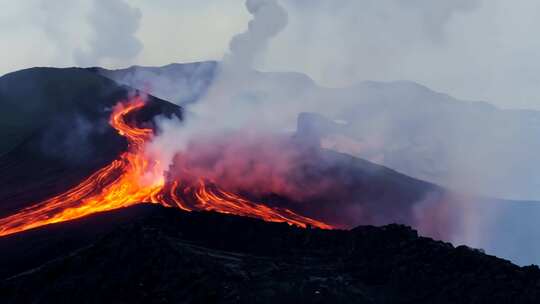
pixel 137 177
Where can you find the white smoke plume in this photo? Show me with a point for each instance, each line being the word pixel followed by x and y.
pixel 232 101
pixel 239 134
pixel 243 104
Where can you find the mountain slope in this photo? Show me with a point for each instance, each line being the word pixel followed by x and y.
pixel 59 132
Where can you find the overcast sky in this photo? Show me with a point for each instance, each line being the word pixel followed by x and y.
pixel 471 49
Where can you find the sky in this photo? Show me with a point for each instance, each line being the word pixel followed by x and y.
pixel 470 49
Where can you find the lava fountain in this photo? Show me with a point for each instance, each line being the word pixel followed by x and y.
pixel 136 177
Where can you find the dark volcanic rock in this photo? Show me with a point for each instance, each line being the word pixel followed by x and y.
pixel 167 256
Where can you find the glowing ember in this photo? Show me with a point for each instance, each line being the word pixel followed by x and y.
pixel 134 178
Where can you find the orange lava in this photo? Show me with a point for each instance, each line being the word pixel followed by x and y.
pixel 136 177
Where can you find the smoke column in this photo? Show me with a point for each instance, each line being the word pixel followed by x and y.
pixel 239 136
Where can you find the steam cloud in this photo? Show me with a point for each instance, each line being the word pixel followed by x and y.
pixel 114 24
pixel 269 18
pixel 239 134
pixel 255 163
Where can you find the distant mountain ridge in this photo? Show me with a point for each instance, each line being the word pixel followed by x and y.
pixel 178 83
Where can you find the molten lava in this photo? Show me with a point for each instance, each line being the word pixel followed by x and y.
pixel 137 177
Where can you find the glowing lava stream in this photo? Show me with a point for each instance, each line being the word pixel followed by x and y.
pixel 135 178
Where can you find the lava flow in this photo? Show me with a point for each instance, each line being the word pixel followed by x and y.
pixel 136 177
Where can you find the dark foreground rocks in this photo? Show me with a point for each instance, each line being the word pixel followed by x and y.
pixel 150 254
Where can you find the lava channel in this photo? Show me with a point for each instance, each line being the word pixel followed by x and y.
pixel 135 178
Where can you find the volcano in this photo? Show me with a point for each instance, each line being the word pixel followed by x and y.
pixel 123 125
pixel 78 183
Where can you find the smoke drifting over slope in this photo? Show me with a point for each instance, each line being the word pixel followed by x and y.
pixel 229 138
pixel 240 136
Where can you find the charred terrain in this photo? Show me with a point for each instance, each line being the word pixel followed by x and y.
pixel 74 227
pixel 151 254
